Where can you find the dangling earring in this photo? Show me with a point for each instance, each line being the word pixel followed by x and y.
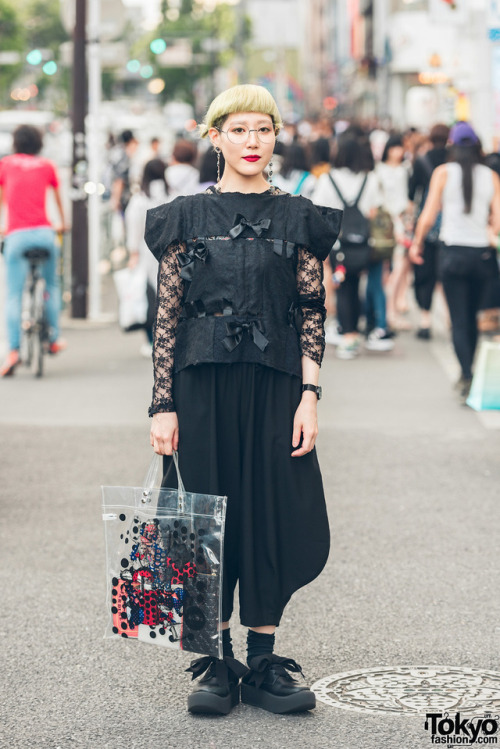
pixel 270 172
pixel 218 152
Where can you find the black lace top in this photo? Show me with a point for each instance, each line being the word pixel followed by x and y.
pixel 310 294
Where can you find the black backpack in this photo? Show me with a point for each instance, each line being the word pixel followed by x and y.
pixel 354 239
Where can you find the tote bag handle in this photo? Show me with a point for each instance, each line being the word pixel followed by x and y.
pixel 151 478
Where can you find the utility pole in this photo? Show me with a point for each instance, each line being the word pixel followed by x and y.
pixel 79 234
pixel 94 157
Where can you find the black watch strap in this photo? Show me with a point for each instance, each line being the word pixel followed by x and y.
pixel 315 389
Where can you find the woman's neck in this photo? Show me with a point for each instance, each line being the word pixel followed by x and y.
pixel 240 183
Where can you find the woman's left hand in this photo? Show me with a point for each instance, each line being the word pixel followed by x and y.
pixel 305 424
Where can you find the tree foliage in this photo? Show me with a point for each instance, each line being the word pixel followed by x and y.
pixel 11 39
pixel 26 25
pixel 214 36
pixel 43 24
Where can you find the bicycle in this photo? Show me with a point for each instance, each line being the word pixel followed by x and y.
pixel 34 326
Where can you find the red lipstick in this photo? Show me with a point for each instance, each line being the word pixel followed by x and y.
pixel 251 158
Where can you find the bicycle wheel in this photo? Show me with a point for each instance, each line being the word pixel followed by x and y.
pixel 40 330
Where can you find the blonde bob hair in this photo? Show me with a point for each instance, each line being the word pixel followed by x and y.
pixel 244 98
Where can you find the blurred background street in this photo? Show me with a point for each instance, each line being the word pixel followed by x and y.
pixel 411 472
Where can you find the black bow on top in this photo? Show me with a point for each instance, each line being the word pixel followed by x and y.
pixel 186 260
pixel 235 331
pixel 261 663
pixel 221 668
pixel 240 222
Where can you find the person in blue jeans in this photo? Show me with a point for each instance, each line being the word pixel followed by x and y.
pixel 25 178
pixel 378 337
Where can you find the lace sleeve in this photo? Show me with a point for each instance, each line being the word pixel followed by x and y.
pixel 168 307
pixel 311 299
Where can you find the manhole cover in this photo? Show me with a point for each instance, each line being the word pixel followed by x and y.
pixel 412 690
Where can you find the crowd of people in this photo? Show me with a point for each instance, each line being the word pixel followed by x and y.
pixel 379 268
pixel 237 271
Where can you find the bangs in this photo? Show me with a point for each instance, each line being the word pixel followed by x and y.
pixel 244 98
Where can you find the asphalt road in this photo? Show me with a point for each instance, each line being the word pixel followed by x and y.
pixel 412 481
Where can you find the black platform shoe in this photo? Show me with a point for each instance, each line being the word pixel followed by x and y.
pixel 268 685
pixel 219 689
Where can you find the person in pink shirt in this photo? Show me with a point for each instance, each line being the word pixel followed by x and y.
pixel 25 178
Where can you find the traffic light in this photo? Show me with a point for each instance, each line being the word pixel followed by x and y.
pixel 158 46
pixel 34 57
pixel 50 68
pixel 133 66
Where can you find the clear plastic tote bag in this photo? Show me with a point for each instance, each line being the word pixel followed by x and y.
pixel 164 552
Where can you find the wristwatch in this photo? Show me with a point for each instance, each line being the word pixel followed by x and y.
pixel 315 388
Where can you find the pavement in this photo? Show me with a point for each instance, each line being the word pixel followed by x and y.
pixel 412 482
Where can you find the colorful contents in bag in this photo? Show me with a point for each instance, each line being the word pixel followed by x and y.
pixel 151 596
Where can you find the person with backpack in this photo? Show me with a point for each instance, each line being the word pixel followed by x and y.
pixel 352 187
pixel 426 273
pixel 468 194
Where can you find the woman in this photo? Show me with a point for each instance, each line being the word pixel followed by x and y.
pixel 392 174
pixel 295 176
pixel 25 180
pixel 351 181
pixel 320 157
pixel 182 175
pixel 468 194
pixel 209 164
pixel 426 274
pixel 238 265
pixel 154 191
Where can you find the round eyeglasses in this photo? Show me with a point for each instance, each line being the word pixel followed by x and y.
pixel 238 134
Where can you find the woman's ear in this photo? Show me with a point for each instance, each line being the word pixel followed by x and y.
pixel 214 136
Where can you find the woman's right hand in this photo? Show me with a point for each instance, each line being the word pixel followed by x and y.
pixel 416 253
pixel 164 434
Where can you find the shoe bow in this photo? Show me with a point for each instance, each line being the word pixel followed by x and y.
pixel 220 667
pixel 260 665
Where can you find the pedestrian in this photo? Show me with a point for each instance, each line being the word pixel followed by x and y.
pixel 468 194
pixel 352 185
pixel 25 179
pixel 320 157
pixel 182 176
pixel 155 148
pixel 236 385
pixel 121 159
pixel 426 273
pixel 153 192
pixel 210 166
pixel 393 174
pixel 294 175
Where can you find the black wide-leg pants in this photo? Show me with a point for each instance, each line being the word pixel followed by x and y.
pixel 235 439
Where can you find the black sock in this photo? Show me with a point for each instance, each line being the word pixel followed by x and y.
pixel 227 648
pixel 258 643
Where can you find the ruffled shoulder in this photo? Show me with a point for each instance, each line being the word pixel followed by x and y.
pixel 315 226
pixel 165 225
